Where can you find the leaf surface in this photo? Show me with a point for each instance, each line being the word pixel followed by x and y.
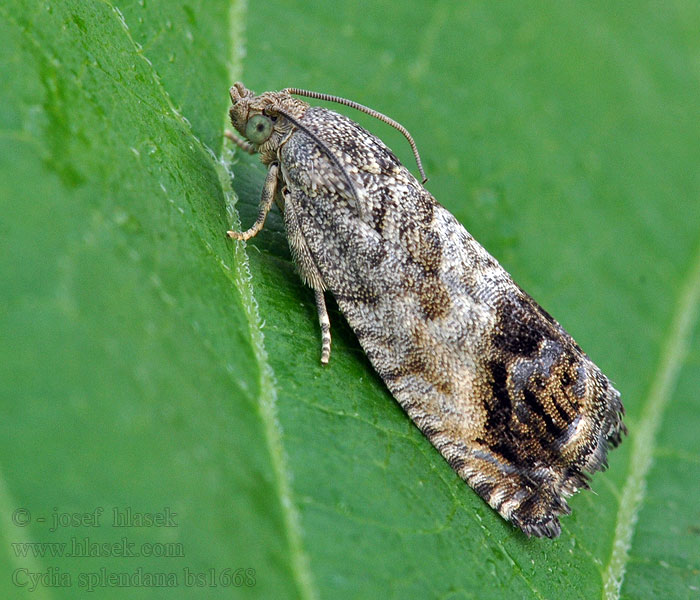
pixel 148 362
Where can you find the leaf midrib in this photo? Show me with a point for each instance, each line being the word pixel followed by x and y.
pixel 242 281
pixel 268 395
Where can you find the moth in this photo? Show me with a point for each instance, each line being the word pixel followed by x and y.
pixel 496 384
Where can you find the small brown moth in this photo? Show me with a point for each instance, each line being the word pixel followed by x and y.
pixel 500 389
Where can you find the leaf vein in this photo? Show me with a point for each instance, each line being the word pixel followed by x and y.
pixel 673 354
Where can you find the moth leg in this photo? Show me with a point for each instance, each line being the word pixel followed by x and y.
pixel 325 323
pixel 240 142
pixel 310 275
pixel 268 195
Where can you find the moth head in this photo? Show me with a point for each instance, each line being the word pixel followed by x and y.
pixel 261 119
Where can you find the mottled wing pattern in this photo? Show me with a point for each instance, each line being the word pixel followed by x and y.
pixel 495 383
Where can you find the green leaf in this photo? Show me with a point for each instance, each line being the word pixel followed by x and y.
pixel 130 375
pixel 147 362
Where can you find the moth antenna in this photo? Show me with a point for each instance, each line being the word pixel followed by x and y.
pixel 367 110
pixel 326 150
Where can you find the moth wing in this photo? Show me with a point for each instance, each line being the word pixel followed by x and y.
pixel 550 417
pixel 496 384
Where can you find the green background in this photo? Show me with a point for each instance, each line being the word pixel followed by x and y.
pixel 148 362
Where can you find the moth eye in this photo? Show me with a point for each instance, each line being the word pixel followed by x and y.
pixel 258 129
